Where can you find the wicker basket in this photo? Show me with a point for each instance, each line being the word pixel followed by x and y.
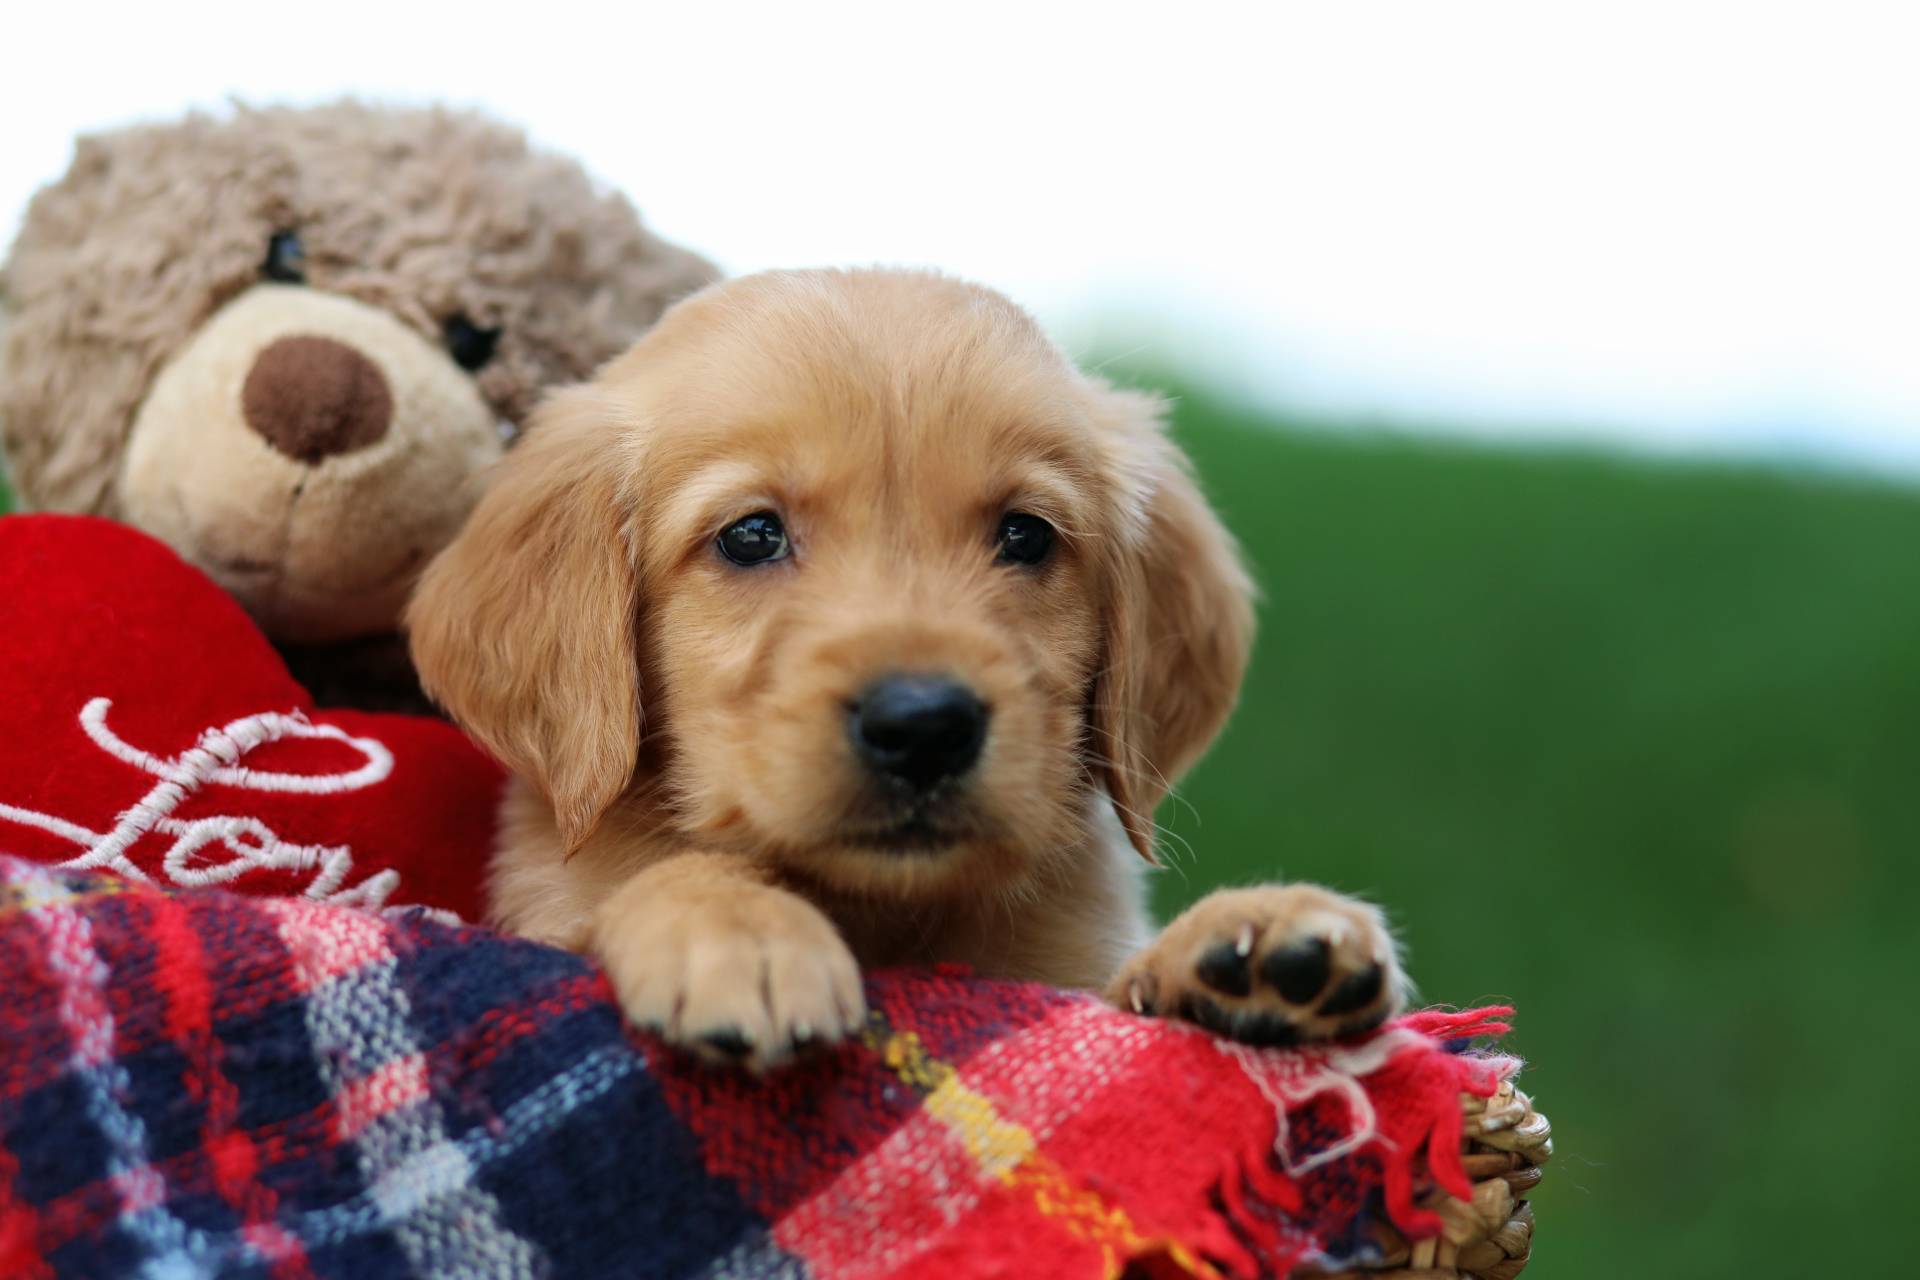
pixel 1488 1238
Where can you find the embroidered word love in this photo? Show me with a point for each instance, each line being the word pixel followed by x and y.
pixel 249 845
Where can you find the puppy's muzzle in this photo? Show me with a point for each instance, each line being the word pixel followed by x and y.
pixel 918 731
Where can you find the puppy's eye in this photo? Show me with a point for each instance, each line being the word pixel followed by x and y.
pixel 469 345
pixel 756 539
pixel 286 259
pixel 1024 538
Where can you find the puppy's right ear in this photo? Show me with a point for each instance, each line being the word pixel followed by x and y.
pixel 523 628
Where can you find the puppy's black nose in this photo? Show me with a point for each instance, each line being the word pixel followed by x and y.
pixel 918 729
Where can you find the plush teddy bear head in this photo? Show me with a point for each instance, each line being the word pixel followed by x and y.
pixel 286 341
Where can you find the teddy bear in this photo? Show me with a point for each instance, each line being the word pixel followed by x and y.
pixel 287 342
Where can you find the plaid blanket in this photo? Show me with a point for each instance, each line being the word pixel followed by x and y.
pixel 194 1083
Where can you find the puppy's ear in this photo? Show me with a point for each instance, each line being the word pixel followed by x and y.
pixel 523 628
pixel 1177 617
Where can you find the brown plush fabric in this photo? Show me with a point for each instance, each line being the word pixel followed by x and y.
pixel 311 397
pixel 426 214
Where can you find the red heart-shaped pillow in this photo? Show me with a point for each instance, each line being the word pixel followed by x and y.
pixel 148 728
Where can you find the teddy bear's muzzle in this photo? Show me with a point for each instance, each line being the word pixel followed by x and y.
pixel 311 453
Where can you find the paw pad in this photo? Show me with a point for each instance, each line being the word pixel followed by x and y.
pixel 1299 971
pixel 1278 966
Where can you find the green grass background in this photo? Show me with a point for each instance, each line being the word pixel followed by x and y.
pixel 1635 746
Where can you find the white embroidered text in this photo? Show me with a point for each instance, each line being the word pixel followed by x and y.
pixel 249 844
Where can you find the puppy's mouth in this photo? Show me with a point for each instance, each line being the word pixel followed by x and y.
pixel 919 834
pixel 925 826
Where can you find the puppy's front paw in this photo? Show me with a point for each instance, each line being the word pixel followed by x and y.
pixel 751 976
pixel 1278 965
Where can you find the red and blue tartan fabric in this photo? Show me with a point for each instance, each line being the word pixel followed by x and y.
pixel 197 1083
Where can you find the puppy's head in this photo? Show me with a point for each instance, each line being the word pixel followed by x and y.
pixel 851 570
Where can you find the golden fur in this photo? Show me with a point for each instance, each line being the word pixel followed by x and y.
pixel 687 808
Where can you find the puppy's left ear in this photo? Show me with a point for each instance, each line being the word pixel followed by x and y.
pixel 523 628
pixel 1177 616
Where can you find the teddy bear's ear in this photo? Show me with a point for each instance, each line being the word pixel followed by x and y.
pixel 523 628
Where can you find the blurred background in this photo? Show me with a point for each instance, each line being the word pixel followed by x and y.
pixel 1559 368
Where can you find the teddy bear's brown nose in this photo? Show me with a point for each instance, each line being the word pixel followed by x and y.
pixel 312 397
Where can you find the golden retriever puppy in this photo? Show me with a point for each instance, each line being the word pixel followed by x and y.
pixel 843 622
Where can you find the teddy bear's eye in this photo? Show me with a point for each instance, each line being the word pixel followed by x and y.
pixel 469 345
pixel 286 258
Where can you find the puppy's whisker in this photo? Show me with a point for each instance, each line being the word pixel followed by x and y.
pixel 1159 781
pixel 1119 356
pixel 1161 832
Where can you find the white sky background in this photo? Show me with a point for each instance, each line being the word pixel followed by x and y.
pixel 1682 225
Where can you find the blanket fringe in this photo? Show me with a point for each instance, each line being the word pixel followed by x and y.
pixel 1416 1141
